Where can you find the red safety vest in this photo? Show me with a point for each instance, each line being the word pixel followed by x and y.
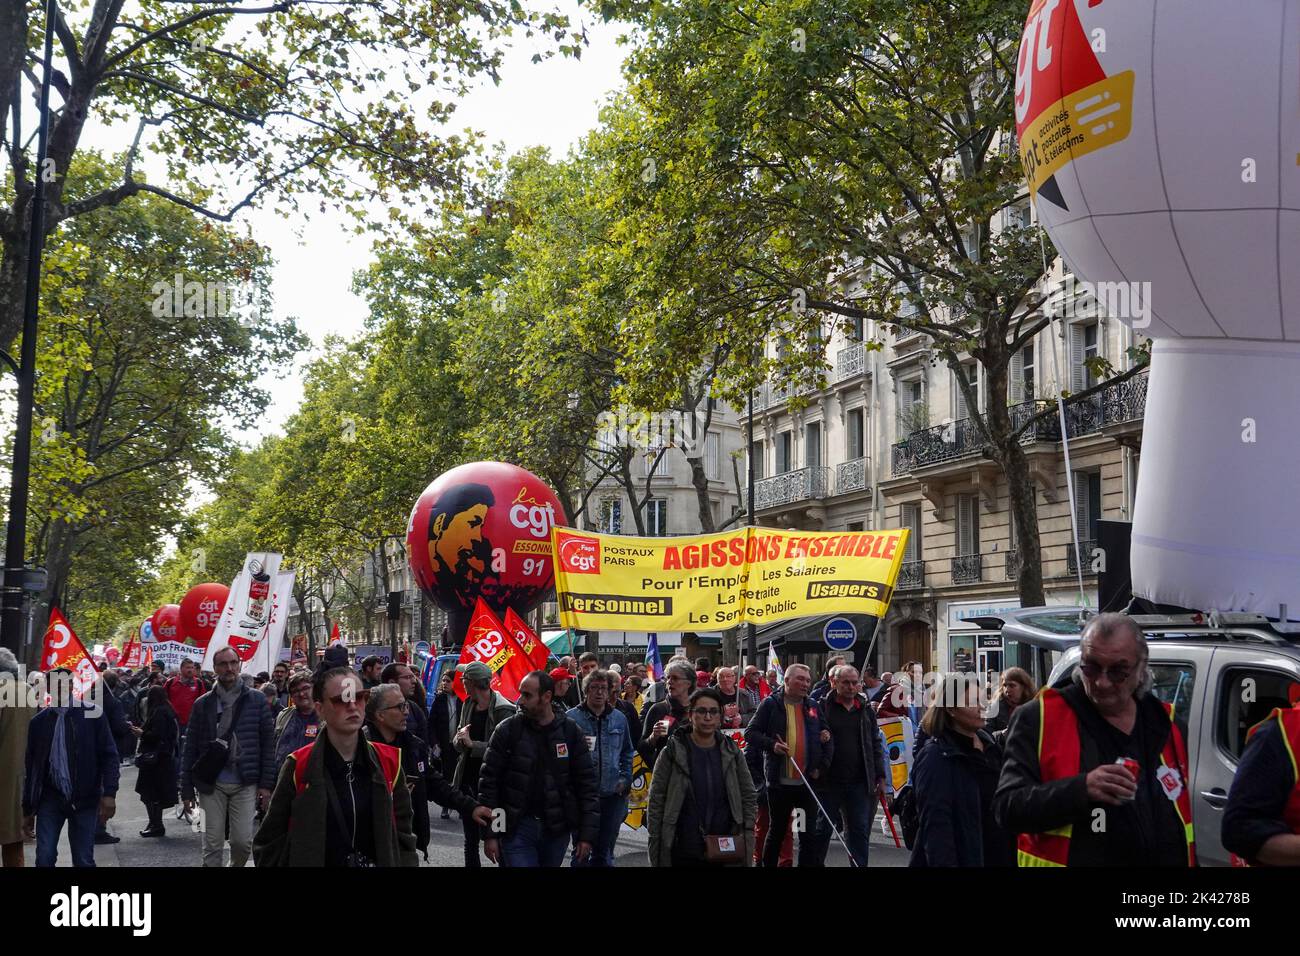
pixel 1288 722
pixel 1059 757
pixel 390 760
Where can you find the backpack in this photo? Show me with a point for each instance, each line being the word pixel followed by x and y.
pixel 907 814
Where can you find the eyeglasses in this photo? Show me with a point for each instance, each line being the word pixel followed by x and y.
pixel 1116 675
pixel 356 697
pixel 706 712
pixel 401 706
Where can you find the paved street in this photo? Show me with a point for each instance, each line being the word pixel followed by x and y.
pixel 182 846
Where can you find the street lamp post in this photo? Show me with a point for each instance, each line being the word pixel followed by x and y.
pixel 751 634
pixel 13 626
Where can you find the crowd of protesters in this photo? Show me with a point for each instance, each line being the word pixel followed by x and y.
pixel 337 767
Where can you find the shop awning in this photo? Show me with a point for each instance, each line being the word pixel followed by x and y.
pixel 803 635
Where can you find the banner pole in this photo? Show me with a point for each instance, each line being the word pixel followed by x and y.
pixel 834 829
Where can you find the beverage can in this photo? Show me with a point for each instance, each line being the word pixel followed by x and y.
pixel 1131 765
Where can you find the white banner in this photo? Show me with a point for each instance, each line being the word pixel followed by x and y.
pixel 267 653
pixel 171 653
pixel 247 614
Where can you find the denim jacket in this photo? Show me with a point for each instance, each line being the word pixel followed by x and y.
pixel 612 750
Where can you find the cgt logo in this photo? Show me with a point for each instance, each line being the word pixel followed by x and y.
pixel 527 514
pixel 580 555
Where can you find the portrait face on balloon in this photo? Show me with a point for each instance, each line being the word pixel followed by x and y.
pixel 483 530
pixel 459 552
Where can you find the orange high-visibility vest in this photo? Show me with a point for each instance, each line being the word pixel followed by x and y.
pixel 1059 757
pixel 1288 722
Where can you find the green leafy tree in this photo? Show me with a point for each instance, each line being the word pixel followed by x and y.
pixel 819 160
pixel 300 103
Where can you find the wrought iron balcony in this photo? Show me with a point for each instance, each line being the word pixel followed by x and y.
pixel 1013 565
pixel 850 361
pixel 1086 547
pixel 1123 402
pixel 806 484
pixel 911 575
pixel 967 568
pixel 853 475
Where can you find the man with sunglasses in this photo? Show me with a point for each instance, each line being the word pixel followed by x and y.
pixel 1104 782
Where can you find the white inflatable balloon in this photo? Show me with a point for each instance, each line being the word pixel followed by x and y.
pixel 1161 140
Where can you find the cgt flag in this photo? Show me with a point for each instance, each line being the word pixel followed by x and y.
pixel 527 639
pixel 63 649
pixel 488 642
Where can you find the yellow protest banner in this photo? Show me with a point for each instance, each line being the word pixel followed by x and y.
pixel 716 581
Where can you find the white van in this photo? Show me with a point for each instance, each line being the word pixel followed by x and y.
pixel 1223 674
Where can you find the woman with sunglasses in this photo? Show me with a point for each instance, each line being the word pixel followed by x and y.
pixel 387 722
pixel 702 802
pixel 341 800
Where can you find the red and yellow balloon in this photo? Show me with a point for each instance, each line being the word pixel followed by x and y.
pixel 484 530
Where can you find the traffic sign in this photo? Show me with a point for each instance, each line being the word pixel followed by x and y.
pixel 839 634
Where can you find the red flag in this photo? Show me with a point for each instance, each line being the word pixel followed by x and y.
pixel 62 648
pixel 488 642
pixel 529 642
pixel 334 634
pixel 131 655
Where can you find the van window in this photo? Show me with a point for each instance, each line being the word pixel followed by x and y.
pixel 1173 683
pixel 1246 696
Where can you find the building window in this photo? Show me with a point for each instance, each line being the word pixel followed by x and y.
pixel 1020 376
pixel 712 457
pixel 784 452
pixel 756 456
pixel 1087 503
pixel 856 434
pixel 910 516
pixel 656 517
pixel 912 412
pixel 1084 345
pixel 611 516
pixel 968 524
pixel 960 410
pixel 661 468
pixel 855 526
pixel 812 437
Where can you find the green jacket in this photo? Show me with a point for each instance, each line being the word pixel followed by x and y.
pixel 670 785
pixel 498 710
pixel 293 831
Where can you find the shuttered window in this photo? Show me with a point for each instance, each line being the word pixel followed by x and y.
pixel 1020 376
pixel 856 434
pixel 968 524
pixel 959 408
pixel 1087 503
pixel 911 519
pixel 812 437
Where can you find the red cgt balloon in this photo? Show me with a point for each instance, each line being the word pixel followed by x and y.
pixel 166 623
pixel 200 611
pixel 484 530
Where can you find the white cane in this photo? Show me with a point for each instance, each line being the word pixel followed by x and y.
pixel 834 829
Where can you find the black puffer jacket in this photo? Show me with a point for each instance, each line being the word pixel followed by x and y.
pixel 569 787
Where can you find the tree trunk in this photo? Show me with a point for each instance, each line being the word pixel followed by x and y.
pixel 1010 456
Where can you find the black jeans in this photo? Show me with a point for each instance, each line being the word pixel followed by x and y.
pixel 154 809
pixel 472 837
pixel 781 802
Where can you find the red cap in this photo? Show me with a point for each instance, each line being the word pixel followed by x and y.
pixel 561 673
